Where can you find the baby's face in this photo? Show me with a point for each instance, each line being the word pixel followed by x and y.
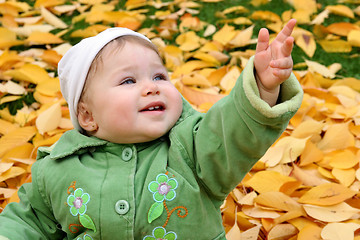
pixel 131 98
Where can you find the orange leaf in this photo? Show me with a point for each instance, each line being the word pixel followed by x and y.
pixel 39 38
pixel 342 28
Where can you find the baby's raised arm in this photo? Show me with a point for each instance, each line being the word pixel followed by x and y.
pixel 273 63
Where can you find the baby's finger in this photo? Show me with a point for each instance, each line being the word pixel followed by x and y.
pixel 282 73
pixel 263 40
pixel 286 31
pixel 283 63
pixel 287 47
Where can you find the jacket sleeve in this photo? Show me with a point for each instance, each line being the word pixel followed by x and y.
pixel 31 218
pixel 236 132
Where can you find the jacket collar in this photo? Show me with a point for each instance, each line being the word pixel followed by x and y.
pixel 73 141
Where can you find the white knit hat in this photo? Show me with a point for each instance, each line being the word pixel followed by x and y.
pixel 75 64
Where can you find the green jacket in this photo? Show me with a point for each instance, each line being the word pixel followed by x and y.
pixel 171 188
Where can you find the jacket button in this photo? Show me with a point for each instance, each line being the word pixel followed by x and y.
pixel 122 207
pixel 126 154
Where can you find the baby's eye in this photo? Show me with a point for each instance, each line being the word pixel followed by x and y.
pixel 159 77
pixel 128 81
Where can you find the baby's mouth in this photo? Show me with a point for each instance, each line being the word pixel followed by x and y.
pixel 155 106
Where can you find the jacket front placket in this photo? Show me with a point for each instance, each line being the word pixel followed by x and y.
pixel 117 206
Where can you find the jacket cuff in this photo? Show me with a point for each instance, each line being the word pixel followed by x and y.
pixel 289 100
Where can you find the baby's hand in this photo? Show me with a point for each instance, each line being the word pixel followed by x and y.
pixel 273 63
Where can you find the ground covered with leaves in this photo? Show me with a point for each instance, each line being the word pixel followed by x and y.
pixel 305 187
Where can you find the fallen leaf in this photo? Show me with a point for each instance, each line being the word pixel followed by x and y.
pixel 339 231
pixel 327 194
pixel 40 38
pixel 341 10
pixel 49 119
pixel 353 38
pixel 334 213
pixel 282 232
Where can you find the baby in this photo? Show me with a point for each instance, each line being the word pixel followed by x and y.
pixel 141 163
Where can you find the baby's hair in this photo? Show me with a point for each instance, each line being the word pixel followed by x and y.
pixel 118 44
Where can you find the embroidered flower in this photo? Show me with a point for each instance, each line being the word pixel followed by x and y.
pixel 77 202
pixel 86 237
pixel 163 188
pixel 159 233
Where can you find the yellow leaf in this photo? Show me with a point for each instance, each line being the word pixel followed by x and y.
pixel 199 97
pixel 282 231
pixel 327 194
pixel 8 38
pixel 268 181
pixel 311 154
pixel 321 69
pixel 309 5
pixel 320 18
pixel 16 138
pixel 278 201
pixel 307 177
pixel 41 141
pixel 5 166
pixel 344 160
pixel 229 80
pixel 28 73
pixel 7 192
pixel 11 173
pixel 52 19
pixel 210 30
pixel 334 213
pixel 344 176
pixel 216 76
pixel 257 212
pixel 310 232
pixel 242 38
pixel 49 119
pixel 6 127
pixel 302 16
pixel 196 79
pixel 336 46
pixel 189 67
pixel 341 10
pixel 308 128
pixel 293 147
pixel 265 15
pixel 354 38
pixel 13 88
pixel 307 43
pixel 237 9
pixel 188 41
pixel 225 34
pixel 48 3
pixel 206 58
pixel 50 87
pixel 20 153
pixel 250 234
pixel 40 38
pixel 273 156
pixel 339 231
pixel 337 136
